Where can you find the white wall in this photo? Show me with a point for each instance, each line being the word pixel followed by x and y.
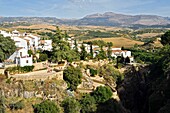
pixel 47 45
pixel 35 40
pixel 27 61
pixel 23 51
pixel 5 34
pixel 20 42
pixel 116 49
pixel 121 53
pixel 17 54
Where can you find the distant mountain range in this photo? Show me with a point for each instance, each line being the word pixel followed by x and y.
pixel 106 19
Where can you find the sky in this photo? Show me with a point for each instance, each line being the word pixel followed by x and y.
pixel 80 8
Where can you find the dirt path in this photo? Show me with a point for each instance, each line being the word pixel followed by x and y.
pixel 37 75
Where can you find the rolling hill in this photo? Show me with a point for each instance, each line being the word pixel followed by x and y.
pixel 106 19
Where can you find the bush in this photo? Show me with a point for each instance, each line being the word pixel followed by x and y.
pixel 19 69
pixel 17 105
pixel 102 94
pixel 46 107
pixel 93 72
pixel 73 77
pixel 2 104
pixel 43 57
pixel 71 105
pixel 88 104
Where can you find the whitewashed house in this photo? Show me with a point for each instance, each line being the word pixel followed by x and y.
pixel 23 43
pixel 21 57
pixel 124 53
pixel 20 42
pixel 5 34
pixel 35 40
pixel 45 45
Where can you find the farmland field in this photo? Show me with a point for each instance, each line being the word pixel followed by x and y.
pixel 119 42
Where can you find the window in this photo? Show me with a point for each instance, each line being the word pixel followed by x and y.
pixel 26 61
pixel 20 54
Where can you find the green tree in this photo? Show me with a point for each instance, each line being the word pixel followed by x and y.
pixel 46 107
pixel 91 50
pixel 109 51
pixel 165 38
pixel 65 35
pixel 72 76
pixel 100 43
pixel 30 52
pixel 7 47
pixel 18 105
pixel 83 53
pixel 71 105
pixel 61 49
pixel 75 48
pixel 2 104
pixel 111 106
pixel 43 57
pixel 101 55
pixel 88 104
pixel 102 94
pixel 127 60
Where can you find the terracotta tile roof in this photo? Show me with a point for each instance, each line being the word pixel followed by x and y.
pixel 19 48
pixel 42 41
pixel 31 37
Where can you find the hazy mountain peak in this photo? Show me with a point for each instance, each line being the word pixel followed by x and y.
pixel 97 19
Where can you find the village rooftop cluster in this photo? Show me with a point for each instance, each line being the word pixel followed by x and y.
pixel 27 41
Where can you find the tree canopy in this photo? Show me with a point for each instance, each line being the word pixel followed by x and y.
pixel 72 76
pixel 88 104
pixel 7 47
pixel 61 49
pixel 46 107
pixel 102 94
pixel 71 105
pixel 165 38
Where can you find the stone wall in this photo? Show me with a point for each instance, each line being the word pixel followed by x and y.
pixel 2 71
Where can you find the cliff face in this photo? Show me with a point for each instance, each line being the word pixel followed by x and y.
pixel 147 89
pixel 32 89
pixel 133 90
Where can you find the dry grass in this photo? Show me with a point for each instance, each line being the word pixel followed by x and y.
pixel 120 42
pixel 38 26
pixel 158 43
pixel 28 106
pixel 149 35
pixel 67 27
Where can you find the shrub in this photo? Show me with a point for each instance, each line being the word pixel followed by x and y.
pixel 46 107
pixel 43 57
pixel 93 72
pixel 71 105
pixel 2 104
pixel 102 94
pixel 88 104
pixel 17 105
pixel 18 69
pixel 73 77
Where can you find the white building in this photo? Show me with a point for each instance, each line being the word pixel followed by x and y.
pixel 45 45
pixel 20 42
pixel 21 57
pixel 23 42
pixel 124 53
pixel 34 40
pixel 5 34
